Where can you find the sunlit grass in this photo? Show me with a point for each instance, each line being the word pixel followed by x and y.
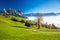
pixel 10 30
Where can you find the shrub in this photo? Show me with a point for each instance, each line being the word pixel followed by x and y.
pixel 27 24
pixel 22 21
pixel 14 19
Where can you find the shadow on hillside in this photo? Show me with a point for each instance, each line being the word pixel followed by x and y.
pixel 18 26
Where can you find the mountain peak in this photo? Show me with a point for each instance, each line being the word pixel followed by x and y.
pixel 10 11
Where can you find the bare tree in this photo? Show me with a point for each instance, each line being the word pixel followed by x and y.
pixel 39 20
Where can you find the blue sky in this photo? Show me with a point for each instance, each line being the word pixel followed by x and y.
pixel 32 6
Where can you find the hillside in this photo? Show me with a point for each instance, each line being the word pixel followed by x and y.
pixel 11 30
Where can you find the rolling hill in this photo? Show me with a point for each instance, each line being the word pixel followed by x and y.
pixel 11 30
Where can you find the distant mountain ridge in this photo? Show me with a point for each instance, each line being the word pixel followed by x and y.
pixel 44 14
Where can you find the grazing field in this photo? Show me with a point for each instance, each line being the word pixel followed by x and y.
pixel 10 30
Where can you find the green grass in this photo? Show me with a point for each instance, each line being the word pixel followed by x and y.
pixel 8 31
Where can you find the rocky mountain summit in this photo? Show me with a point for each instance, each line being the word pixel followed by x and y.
pixel 8 12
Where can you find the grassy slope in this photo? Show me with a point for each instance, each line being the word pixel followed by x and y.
pixel 8 32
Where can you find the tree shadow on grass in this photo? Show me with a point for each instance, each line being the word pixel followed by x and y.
pixel 18 26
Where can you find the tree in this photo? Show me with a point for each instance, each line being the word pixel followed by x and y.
pixel 39 20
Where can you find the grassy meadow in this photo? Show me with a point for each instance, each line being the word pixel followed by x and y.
pixel 11 30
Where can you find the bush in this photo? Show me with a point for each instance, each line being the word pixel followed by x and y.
pixel 54 27
pixel 22 21
pixel 14 19
pixel 27 24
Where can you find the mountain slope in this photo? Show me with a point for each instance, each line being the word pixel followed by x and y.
pixel 9 32
pixel 8 12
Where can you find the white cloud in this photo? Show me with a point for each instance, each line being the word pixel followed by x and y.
pixel 49 19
